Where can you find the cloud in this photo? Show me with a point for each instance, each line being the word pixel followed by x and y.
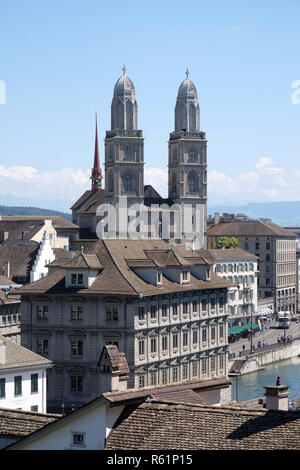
pixel 29 184
pixel 59 189
pixel 265 183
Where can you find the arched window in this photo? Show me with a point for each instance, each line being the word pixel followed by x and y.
pixel 129 115
pixel 120 115
pixel 192 183
pixel 183 117
pixel 192 118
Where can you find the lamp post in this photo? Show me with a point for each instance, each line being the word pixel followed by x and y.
pixel 236 384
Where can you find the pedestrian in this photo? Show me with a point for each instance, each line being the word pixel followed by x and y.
pixel 243 347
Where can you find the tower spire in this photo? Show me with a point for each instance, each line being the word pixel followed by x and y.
pixel 96 171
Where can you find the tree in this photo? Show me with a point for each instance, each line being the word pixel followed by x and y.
pixel 227 242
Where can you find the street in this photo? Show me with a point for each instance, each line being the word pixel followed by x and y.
pixel 270 335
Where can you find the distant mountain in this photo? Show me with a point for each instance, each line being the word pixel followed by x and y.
pixel 15 210
pixel 284 213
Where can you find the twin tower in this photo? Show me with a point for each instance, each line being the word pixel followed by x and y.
pixel 124 150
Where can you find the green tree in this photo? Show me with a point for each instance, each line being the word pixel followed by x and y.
pixel 227 242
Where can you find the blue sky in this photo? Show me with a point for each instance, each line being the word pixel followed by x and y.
pixel 59 61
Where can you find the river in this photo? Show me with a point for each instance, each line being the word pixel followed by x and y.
pixel 252 385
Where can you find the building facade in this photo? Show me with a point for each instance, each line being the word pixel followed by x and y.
pixel 186 204
pixel 164 308
pixel 275 248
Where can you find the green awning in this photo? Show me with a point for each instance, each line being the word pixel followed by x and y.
pixel 234 330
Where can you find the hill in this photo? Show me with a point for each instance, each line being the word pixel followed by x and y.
pixel 284 213
pixel 15 210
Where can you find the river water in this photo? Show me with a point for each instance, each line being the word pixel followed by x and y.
pixel 251 385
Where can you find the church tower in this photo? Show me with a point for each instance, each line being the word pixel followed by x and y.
pixel 124 147
pixel 187 169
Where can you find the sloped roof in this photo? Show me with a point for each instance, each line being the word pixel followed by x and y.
pixel 18 356
pixel 117 359
pixel 159 426
pixel 20 257
pixel 33 221
pixel 166 391
pixel 250 228
pixel 230 253
pixel 89 202
pixel 117 277
pixel 17 424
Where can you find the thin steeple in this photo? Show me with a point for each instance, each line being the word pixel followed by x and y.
pixel 96 170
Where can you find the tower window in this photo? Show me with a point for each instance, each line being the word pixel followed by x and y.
pixel 128 152
pixel 192 156
pixel 192 183
pixel 128 183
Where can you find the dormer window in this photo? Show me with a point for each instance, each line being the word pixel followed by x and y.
pixel 159 279
pixel 185 276
pixel 76 279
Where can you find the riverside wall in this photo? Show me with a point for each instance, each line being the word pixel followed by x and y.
pixel 259 360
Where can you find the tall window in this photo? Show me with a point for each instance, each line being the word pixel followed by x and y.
pixel 128 152
pixel 141 381
pixel 195 306
pixel 184 372
pixel 34 383
pixel 153 312
pixel 204 367
pixel 112 314
pixel 175 310
pixel 195 336
pixel 175 340
pixel 185 338
pixel 213 333
pixel 195 369
pixel 164 377
pixel 2 388
pixel 185 307
pixel 175 374
pixel 42 312
pixel 153 345
pixel 141 347
pixel 153 378
pixel 76 347
pixel 192 183
pixel 204 335
pixel 76 383
pixel 164 343
pixel 141 313
pixel 164 310
pixel 42 346
pixel 76 313
pixel 18 385
pixel 128 183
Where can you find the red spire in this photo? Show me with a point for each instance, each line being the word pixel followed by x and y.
pixel 96 171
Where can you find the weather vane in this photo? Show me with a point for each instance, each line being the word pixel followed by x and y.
pixel 187 73
pixel 124 69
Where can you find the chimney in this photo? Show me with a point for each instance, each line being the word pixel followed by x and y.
pixel 277 396
pixel 216 218
pixel 2 352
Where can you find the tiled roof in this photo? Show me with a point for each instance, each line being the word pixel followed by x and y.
pixel 18 356
pixel 17 424
pixel 156 426
pixel 21 258
pixel 117 277
pixel 85 261
pixel 230 253
pixel 33 221
pixel 250 228
pixel 89 202
pixel 166 391
pixel 117 360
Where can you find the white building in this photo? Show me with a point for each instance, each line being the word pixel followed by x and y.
pixel 239 267
pixel 22 378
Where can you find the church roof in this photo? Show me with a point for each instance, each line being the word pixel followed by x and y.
pixel 89 201
pixel 187 89
pixel 124 87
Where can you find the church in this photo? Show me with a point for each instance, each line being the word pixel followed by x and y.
pixel 166 218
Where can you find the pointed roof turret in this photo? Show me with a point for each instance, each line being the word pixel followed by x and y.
pixel 96 170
